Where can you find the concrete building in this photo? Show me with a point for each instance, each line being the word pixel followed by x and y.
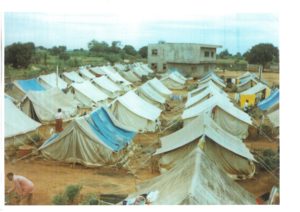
pixel 190 59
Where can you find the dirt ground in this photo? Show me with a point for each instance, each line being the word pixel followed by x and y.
pixel 51 177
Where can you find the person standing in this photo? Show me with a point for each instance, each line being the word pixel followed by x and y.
pixel 22 186
pixel 246 106
pixel 58 120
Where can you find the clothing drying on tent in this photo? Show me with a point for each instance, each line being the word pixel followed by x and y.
pixel 86 74
pixel 21 87
pixel 107 86
pixel 172 81
pixel 228 151
pixel 16 124
pixel 160 87
pixel 230 118
pixel 131 110
pixel 72 76
pixel 194 180
pixel 150 95
pixel 269 102
pixel 52 81
pixel 42 105
pixel 93 140
pixel 88 94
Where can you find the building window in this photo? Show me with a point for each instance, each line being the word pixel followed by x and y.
pixel 154 66
pixel 212 54
pixel 154 52
pixel 164 67
pixel 206 54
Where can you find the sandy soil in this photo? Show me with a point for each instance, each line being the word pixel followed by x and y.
pixel 51 177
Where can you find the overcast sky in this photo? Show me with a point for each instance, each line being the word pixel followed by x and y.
pixel 236 32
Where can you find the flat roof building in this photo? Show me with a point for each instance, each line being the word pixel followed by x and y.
pixel 190 59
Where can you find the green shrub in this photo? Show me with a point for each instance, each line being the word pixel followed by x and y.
pixel 90 199
pixel 71 192
pixel 59 200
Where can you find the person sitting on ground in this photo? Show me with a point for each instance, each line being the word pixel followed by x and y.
pixel 22 186
pixel 59 121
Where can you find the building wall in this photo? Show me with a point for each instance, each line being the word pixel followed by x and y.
pixel 189 58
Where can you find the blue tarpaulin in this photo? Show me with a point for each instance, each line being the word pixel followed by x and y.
pixel 270 101
pixel 30 85
pixel 113 136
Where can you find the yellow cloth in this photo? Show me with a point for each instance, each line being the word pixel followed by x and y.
pixel 249 97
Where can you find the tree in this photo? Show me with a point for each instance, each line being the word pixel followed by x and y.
pixel 143 51
pixel 97 47
pixel 58 50
pixel 128 49
pixel 224 54
pixel 262 54
pixel 115 47
pixel 238 55
pixel 64 56
pixel 19 54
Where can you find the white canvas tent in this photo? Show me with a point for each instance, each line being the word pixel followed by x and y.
pixel 160 87
pixel 150 95
pixel 131 110
pixel 205 94
pixel 86 74
pixel 228 151
pixel 202 87
pixel 43 105
pixel 212 77
pixel 93 140
pixel 107 86
pixel 52 81
pixel 230 118
pixel 88 94
pixel 139 71
pixel 172 81
pixel 274 118
pixel 146 68
pixel 255 89
pixel 17 125
pixel 19 88
pixel 194 180
pixel 130 76
pixel 71 77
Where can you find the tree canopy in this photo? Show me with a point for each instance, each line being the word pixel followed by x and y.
pixel 19 54
pixel 128 49
pixel 143 51
pixel 262 54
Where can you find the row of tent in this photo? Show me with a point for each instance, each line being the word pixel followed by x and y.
pixel 199 161
pixel 258 93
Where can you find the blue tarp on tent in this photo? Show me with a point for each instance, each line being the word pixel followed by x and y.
pixel 270 101
pixel 30 85
pixel 113 136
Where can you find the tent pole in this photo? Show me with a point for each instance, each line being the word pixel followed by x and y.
pixel 57 76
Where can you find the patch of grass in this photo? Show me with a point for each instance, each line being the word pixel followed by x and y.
pixel 59 199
